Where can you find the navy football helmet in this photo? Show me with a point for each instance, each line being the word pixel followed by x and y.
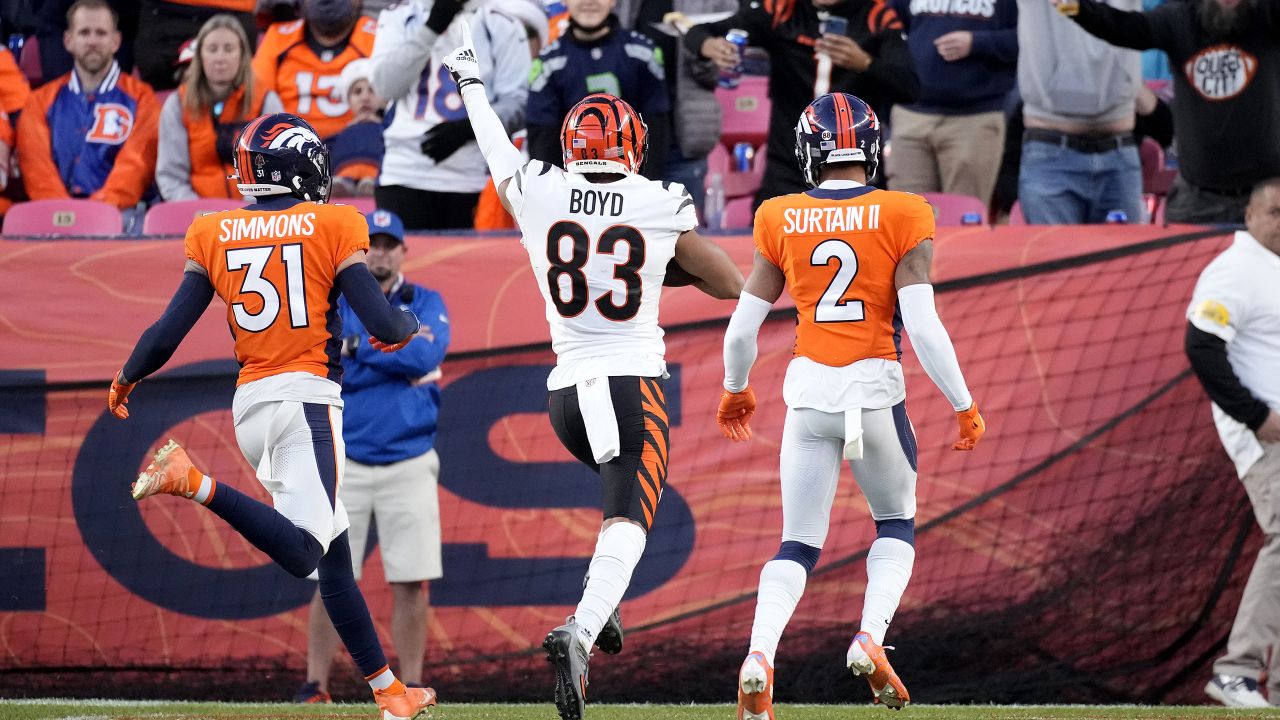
pixel 281 154
pixel 837 128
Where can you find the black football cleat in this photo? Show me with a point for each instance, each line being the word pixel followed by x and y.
pixel 566 655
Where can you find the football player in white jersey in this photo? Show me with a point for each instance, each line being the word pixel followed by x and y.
pixel 600 238
pixel 432 173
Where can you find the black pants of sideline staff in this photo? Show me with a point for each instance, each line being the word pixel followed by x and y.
pixel 427 209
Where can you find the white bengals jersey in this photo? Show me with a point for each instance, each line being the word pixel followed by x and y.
pixel 502 48
pixel 599 253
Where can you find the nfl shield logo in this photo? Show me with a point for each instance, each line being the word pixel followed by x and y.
pixel 275 176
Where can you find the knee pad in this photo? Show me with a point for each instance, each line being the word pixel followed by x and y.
pixel 904 530
pixel 806 555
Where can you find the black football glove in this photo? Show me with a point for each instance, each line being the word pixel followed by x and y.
pixel 446 138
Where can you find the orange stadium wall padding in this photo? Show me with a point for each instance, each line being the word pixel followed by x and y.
pixel 1070 339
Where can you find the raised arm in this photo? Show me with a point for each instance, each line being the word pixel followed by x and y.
pixel 501 156
pixel 401 52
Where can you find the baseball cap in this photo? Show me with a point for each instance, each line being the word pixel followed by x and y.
pixel 385 222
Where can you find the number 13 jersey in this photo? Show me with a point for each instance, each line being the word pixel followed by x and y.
pixel 599 253
pixel 276 270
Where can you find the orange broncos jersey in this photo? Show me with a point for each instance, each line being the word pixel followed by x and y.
pixel 276 271
pixel 307 83
pixel 839 250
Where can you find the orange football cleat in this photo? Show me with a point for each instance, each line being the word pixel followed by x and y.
pixel 169 473
pixel 407 704
pixel 755 688
pixel 867 658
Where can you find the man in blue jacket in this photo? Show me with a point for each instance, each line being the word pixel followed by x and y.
pixel 951 138
pixel 389 423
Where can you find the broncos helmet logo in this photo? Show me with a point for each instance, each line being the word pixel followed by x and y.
pixel 281 154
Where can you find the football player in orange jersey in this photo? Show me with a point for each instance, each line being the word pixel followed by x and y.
pixel 856 262
pixel 278 264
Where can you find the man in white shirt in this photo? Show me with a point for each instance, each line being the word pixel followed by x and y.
pixel 1233 342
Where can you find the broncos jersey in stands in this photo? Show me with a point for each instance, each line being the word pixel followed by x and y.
pixel 599 255
pixel 306 76
pixel 100 145
pixel 839 249
pixel 275 269
pixel 787 29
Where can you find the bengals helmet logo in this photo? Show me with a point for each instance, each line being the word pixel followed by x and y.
pixel 112 123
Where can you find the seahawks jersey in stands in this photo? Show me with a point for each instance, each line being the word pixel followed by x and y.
pixel 502 49
pixel 599 253
pixel 787 29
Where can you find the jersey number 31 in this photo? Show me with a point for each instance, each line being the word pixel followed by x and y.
pixel 572 267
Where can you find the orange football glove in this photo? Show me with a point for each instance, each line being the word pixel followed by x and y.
pixel 387 347
pixel 972 428
pixel 734 415
pixel 118 395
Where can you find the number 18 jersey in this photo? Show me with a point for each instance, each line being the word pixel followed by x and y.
pixel 599 253
pixel 840 249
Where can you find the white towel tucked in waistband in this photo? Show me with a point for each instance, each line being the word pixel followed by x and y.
pixel 596 404
pixel 853 434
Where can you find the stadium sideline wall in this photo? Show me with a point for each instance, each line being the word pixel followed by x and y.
pixel 1092 549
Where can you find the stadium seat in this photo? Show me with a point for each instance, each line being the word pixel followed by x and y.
pixel 950 209
pixel 29 61
pixel 1015 214
pixel 364 204
pixel 738 213
pixel 63 217
pixel 736 184
pixel 744 112
pixel 1156 178
pixel 173 218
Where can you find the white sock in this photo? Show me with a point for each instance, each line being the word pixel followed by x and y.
pixel 888 569
pixel 206 489
pixel 382 680
pixel 781 585
pixel 618 549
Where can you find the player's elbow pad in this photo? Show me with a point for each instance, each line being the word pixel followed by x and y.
pixel 502 157
pixel 932 343
pixel 740 340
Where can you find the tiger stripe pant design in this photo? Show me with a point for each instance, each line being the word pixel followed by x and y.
pixel 632 481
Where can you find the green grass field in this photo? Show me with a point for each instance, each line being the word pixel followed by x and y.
pixel 120 710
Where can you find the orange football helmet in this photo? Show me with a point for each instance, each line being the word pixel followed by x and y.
pixel 603 134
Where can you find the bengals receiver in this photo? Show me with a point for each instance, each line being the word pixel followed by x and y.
pixel 853 258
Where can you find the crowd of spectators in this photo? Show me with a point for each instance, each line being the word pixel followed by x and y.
pixel 1042 100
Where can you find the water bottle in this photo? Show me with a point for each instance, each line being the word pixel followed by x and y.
pixel 729 76
pixel 713 206
pixel 971 218
pixel 1117 216
pixel 743 157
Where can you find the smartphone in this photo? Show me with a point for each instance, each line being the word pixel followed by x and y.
pixel 833 25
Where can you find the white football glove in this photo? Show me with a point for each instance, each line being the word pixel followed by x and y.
pixel 462 62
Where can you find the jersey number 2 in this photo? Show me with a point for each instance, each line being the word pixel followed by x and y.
pixel 830 307
pixel 256 259
pixel 628 271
